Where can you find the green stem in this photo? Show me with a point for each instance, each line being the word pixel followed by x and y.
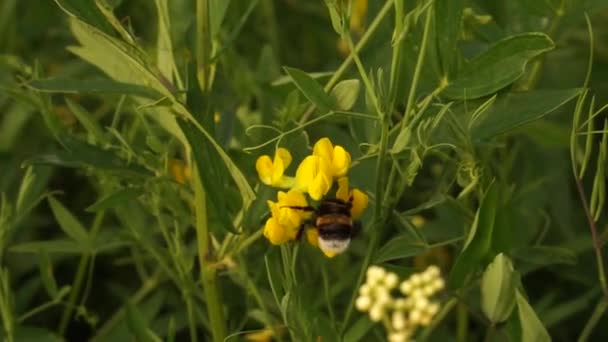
pixel 462 322
pixel 208 272
pixel 147 287
pixel 490 332
pixel 191 318
pixel 81 273
pixel 445 309
pixel 349 60
pixel 203 45
pixel 599 311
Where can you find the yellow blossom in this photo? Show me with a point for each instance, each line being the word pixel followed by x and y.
pixel 285 222
pixel 274 232
pixel 358 15
pixel 179 170
pixel 314 176
pixel 271 171
pixel 312 235
pixel 337 156
pixel 264 335
pixel 357 197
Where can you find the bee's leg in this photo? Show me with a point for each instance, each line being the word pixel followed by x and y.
pixel 356 228
pixel 303 226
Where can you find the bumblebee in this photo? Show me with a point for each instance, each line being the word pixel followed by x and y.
pixel 333 220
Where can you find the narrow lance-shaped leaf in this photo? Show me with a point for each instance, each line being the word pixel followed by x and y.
pixel 500 65
pixel 532 328
pixel 311 89
pixel 498 289
pixel 479 241
pixel 516 109
pixel 68 223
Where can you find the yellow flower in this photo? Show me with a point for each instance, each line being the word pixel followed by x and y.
pixel 312 235
pixel 314 176
pixel 271 170
pixel 264 335
pixel 337 156
pixel 285 222
pixel 359 198
pixel 358 15
pixel 179 170
pixel 274 232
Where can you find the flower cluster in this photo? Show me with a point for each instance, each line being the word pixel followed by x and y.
pixel 327 167
pixel 404 314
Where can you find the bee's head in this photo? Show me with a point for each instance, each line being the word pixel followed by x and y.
pixel 332 247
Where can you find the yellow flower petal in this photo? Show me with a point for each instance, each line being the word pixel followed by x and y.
pixel 329 254
pixel 312 235
pixel 360 202
pixel 340 162
pixel 264 166
pixel 319 186
pixel 274 232
pixel 264 335
pixel 343 193
pixel 305 172
pixel 283 155
pixel 323 148
pixel 314 176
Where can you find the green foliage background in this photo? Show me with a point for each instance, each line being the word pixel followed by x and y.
pixel 483 117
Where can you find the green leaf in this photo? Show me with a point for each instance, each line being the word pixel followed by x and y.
pixel 29 333
pixel 399 248
pixel 479 241
pixel 448 21
pixel 138 326
pixel 546 255
pixel 87 11
pixel 402 140
pixel 97 86
pixel 516 109
pixel 33 184
pixel 87 121
pixel 80 154
pixel 68 223
pixel 46 273
pixel 115 198
pixel 498 289
pixel 358 330
pixel 51 246
pixel 531 327
pixel 345 93
pixel 311 89
pixel 500 65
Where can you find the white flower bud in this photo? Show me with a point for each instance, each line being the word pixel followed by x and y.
pixel 400 304
pixel 415 280
pixel 433 271
pixel 398 320
pixel 417 293
pixel 415 317
pixel 363 303
pixel 438 284
pixel 426 277
pixel 391 280
pixel 383 297
pixel 376 313
pixel 365 289
pixel 428 290
pixel 425 320
pixel 374 273
pixel 406 287
pixel 432 309
pixel 421 303
pixel 397 337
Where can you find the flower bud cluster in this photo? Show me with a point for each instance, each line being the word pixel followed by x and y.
pixel 401 314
